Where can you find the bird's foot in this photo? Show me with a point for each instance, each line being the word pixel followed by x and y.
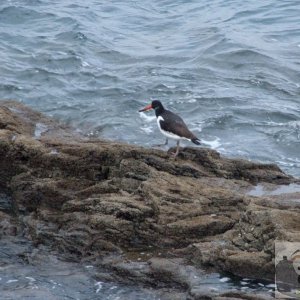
pixel 174 154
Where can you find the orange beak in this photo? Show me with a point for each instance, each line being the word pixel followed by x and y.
pixel 148 107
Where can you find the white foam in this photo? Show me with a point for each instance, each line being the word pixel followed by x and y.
pixel 54 152
pixel 197 126
pixel 147 129
pixel 113 287
pixel 292 124
pixel 89 267
pixel 169 86
pixel 54 283
pixel 31 279
pixel 31 282
pixel 224 279
pixel 85 64
pixel 147 118
pixel 40 128
pixel 99 286
pixel 11 280
pixel 259 190
pixel 214 144
pixel 293 164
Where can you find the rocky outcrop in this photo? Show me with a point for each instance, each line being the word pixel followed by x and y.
pixel 109 202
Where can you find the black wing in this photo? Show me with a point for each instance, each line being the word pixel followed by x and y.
pixel 173 123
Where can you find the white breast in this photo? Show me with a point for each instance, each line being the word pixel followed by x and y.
pixel 168 134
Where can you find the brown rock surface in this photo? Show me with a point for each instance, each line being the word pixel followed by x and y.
pixel 108 202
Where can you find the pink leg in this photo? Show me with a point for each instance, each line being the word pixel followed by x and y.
pixel 177 149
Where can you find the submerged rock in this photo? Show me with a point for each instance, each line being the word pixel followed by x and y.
pixel 108 202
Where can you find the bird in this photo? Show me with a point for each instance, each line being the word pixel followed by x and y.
pixel 171 125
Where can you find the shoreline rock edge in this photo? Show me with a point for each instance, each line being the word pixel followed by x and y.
pixel 108 202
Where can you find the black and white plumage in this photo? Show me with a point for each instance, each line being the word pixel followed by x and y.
pixel 171 125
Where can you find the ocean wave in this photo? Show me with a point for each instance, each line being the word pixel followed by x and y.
pixel 16 15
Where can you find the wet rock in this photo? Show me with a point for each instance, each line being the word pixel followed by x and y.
pixel 242 295
pixel 8 225
pixel 6 204
pixel 103 201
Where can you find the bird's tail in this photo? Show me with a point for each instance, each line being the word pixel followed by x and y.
pixel 196 141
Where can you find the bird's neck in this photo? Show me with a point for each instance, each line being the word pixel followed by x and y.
pixel 159 110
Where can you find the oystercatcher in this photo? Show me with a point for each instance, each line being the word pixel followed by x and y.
pixel 171 125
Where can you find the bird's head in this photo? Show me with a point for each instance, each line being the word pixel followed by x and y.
pixel 156 105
